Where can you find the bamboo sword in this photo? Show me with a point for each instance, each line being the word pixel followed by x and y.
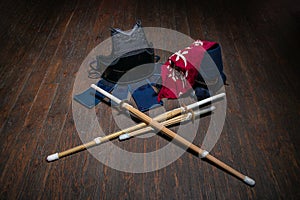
pixel 156 125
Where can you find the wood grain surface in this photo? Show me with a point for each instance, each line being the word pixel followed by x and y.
pixel 42 45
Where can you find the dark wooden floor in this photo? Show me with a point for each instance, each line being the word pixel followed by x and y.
pixel 43 43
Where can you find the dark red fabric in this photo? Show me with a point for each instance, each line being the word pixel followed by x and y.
pixel 180 71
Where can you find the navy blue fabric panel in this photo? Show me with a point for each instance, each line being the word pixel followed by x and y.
pixel 216 56
pixel 91 97
pixel 144 96
pixel 201 93
pixel 207 71
pixel 87 98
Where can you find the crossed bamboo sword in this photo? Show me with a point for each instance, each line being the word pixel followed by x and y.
pixel 158 123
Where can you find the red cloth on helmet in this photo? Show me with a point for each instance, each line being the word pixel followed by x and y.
pixel 180 71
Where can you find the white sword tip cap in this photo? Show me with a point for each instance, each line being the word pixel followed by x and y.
pixel 222 94
pixel 124 136
pixel 249 181
pixel 52 157
pixel 206 110
pixel 212 108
